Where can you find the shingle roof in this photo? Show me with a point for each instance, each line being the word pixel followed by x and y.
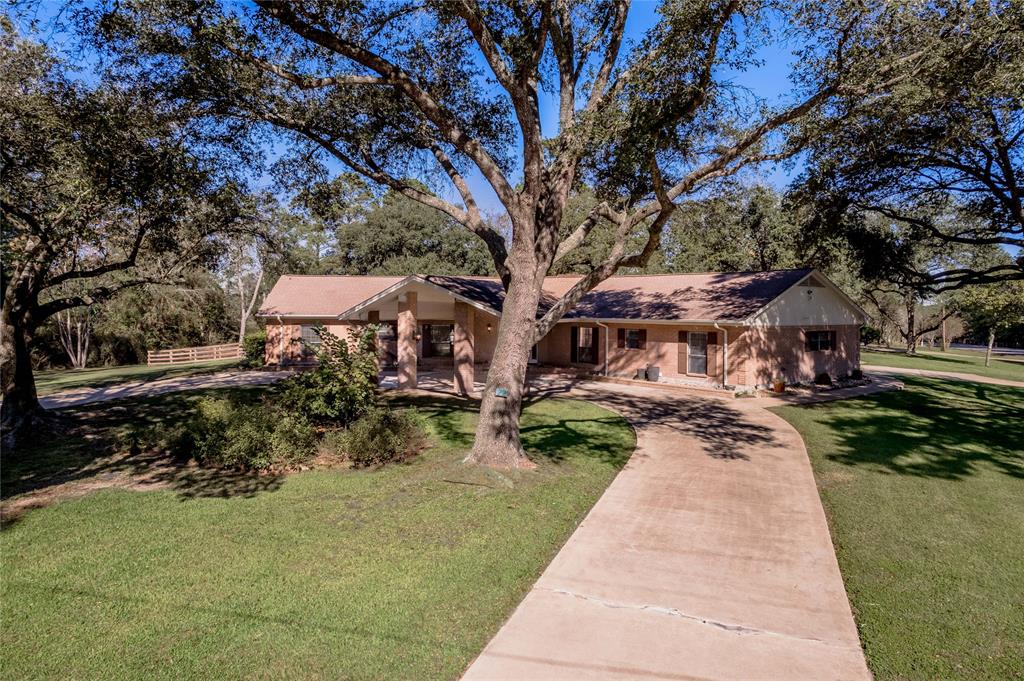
pixel 661 297
pixel 320 296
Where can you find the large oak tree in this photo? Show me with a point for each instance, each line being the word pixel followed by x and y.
pixel 101 192
pixel 451 89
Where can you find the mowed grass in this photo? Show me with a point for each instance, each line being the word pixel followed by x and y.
pixel 959 361
pixel 924 490
pixel 399 573
pixel 56 380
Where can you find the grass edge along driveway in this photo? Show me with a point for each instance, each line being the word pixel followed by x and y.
pixel 57 380
pixel 924 490
pixel 958 361
pixel 400 573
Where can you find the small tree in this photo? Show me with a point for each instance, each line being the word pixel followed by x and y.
pixel 993 309
pixel 75 330
pixel 343 386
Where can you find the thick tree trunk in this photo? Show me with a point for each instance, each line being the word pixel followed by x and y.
pixel 497 442
pixel 21 405
pixel 991 344
pixel 945 337
pixel 911 336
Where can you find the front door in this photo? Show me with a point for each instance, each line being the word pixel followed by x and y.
pixel 697 357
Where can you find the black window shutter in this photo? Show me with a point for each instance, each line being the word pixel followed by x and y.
pixel 427 347
pixel 832 340
pixel 712 338
pixel 682 336
pixel 574 344
pixel 643 339
pixel 622 338
pixel 807 341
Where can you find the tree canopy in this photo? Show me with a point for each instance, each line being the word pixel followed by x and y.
pixel 944 155
pixel 103 191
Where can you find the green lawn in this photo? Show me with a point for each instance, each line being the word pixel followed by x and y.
pixel 398 573
pixel 961 361
pixel 56 380
pixel 924 490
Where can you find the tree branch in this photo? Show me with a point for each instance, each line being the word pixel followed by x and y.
pixel 444 120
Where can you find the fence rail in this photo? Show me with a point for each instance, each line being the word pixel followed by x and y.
pixel 202 353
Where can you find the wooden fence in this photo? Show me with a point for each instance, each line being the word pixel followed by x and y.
pixel 203 353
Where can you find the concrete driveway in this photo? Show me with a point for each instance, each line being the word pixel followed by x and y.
pixel 119 391
pixel 708 557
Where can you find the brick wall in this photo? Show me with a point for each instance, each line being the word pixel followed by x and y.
pixel 283 345
pixel 781 352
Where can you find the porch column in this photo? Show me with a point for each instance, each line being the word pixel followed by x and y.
pixel 462 348
pixel 373 317
pixel 407 341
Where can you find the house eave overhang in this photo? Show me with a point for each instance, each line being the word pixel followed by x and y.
pixel 623 320
pixel 397 288
pixel 294 315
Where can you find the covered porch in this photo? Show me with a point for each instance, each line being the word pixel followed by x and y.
pixel 429 333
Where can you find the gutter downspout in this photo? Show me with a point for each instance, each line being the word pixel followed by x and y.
pixel 604 367
pixel 725 355
pixel 280 341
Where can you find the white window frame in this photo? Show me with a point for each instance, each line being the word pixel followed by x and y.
pixel 689 346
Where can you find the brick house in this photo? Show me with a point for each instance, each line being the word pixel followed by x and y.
pixel 737 329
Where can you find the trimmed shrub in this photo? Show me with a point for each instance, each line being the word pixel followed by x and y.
pixel 870 335
pixel 823 379
pixel 856 374
pixel 257 436
pixel 332 444
pixel 343 386
pixel 383 436
pixel 254 346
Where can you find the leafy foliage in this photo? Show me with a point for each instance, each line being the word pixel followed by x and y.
pixel 104 189
pixel 384 435
pixel 343 385
pixel 991 310
pixel 944 156
pixel 870 335
pixel 255 348
pixel 227 434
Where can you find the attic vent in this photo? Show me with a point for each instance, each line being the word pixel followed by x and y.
pixel 812 281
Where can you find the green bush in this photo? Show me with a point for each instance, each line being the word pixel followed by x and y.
pixel 823 379
pixel 255 348
pixel 343 385
pixel 383 436
pixel 870 335
pixel 256 436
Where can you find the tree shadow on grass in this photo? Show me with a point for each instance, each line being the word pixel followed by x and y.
pixel 562 439
pixel 552 439
pixel 934 428
pixel 115 444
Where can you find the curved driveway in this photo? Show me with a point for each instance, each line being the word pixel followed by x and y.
pixel 143 388
pixel 708 557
